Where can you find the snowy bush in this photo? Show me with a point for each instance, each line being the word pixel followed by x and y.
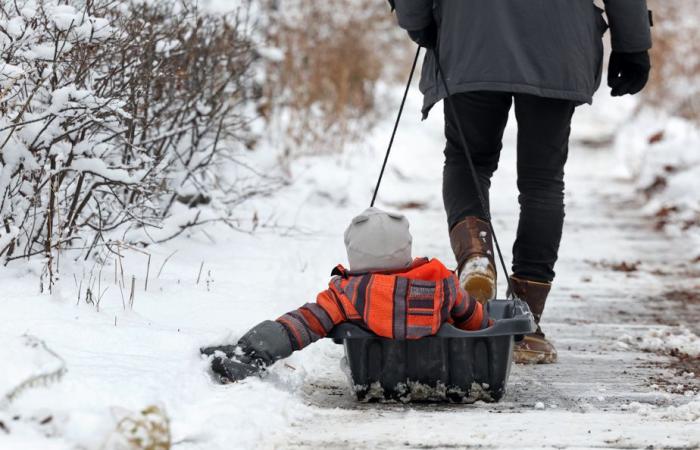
pixel 122 121
pixel 113 113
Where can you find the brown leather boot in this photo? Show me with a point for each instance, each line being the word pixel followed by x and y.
pixel 473 248
pixel 534 348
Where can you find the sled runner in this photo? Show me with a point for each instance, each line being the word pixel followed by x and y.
pixel 454 365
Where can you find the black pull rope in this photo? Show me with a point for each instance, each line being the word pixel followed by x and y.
pixel 463 138
pixel 396 126
pixel 475 177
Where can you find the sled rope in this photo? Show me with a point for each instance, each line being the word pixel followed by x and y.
pixel 463 139
pixel 396 126
pixel 472 169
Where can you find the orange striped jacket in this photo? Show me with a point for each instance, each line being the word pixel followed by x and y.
pixel 397 305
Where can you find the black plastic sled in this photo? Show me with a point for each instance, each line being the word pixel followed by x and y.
pixel 454 365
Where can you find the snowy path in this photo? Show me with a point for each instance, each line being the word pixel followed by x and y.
pixel 604 393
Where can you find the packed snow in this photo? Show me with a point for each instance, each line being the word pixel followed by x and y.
pixel 666 340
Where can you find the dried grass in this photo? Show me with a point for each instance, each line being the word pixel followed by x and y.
pixel 335 53
pixel 148 429
pixel 675 80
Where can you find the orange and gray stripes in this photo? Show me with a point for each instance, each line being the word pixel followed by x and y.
pixel 407 305
pixel 313 320
pixel 469 314
pixel 400 319
pixel 307 325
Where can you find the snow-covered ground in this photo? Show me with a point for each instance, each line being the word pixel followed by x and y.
pixel 611 388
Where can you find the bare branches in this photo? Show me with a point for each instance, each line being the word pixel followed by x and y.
pixel 111 116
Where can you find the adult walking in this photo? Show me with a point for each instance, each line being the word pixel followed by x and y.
pixel 545 58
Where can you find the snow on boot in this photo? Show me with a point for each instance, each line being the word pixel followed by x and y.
pixel 473 248
pixel 259 348
pixel 534 348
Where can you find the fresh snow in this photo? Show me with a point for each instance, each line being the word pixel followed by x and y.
pixel 211 284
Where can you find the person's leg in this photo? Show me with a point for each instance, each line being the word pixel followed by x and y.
pixel 543 143
pixel 483 117
pixel 544 125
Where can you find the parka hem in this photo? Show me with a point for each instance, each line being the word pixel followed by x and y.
pixel 432 96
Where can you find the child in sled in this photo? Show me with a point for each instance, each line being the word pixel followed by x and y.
pixel 384 290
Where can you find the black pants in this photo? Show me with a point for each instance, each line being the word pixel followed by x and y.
pixel 543 138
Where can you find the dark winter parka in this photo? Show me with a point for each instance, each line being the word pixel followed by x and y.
pixel 549 48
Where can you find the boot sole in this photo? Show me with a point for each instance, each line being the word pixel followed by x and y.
pixel 532 357
pixel 480 287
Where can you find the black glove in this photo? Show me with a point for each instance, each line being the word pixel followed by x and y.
pixel 231 370
pixel 426 37
pixel 260 347
pixel 230 363
pixel 628 73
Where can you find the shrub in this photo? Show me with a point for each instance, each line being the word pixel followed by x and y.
pixel 122 119
pixel 148 429
pixel 112 113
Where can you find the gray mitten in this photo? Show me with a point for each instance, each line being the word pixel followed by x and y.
pixel 260 347
pixel 268 341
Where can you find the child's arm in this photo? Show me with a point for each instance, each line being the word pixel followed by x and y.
pixel 313 321
pixel 467 313
pixel 270 341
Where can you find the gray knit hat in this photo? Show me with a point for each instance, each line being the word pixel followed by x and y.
pixel 377 240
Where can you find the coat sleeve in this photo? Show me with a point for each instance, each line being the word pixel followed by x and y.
pixel 630 27
pixel 312 321
pixel 414 14
pixel 468 314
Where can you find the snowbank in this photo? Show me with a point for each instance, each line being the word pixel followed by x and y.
pixel 666 340
pixel 661 154
pixel 689 412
